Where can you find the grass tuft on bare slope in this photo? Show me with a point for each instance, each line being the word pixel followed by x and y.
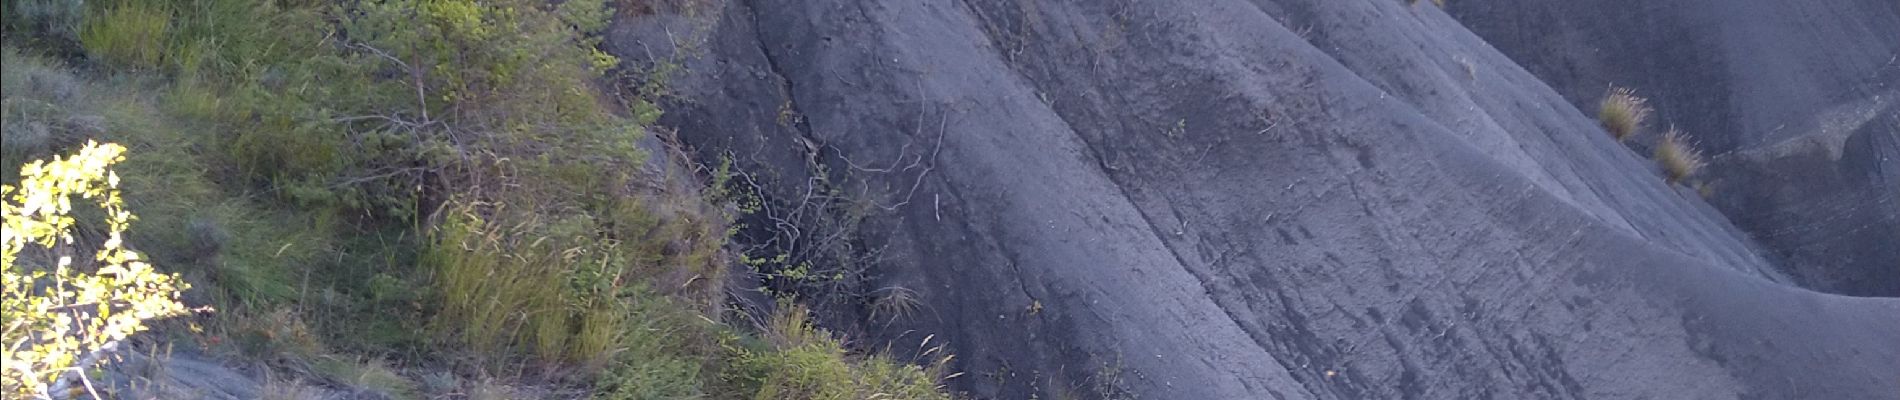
pixel 1678 157
pixel 1622 112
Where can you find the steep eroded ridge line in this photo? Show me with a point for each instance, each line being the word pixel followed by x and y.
pixel 1096 151
pixel 799 125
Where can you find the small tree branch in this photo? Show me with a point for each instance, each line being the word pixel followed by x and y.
pixel 65 381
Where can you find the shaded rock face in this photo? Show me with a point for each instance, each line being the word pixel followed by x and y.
pixel 1249 199
pixel 1799 102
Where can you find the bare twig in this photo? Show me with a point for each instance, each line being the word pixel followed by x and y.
pixel 415 74
pixel 65 381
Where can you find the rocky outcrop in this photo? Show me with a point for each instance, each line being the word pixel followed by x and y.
pixel 1232 199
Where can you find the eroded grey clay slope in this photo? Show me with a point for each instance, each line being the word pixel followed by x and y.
pixel 1798 102
pixel 1270 199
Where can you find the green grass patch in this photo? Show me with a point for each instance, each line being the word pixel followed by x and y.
pixel 802 361
pixel 128 33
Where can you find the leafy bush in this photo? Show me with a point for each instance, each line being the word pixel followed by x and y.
pixel 1679 159
pixel 62 314
pixel 1622 112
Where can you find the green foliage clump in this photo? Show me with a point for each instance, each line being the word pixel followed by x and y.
pixel 63 314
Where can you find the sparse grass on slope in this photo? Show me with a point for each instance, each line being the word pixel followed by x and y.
pixel 432 186
pixel 1622 112
pixel 1678 157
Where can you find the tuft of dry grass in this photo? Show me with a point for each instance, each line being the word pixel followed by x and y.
pixel 894 302
pixel 1623 112
pixel 1678 157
